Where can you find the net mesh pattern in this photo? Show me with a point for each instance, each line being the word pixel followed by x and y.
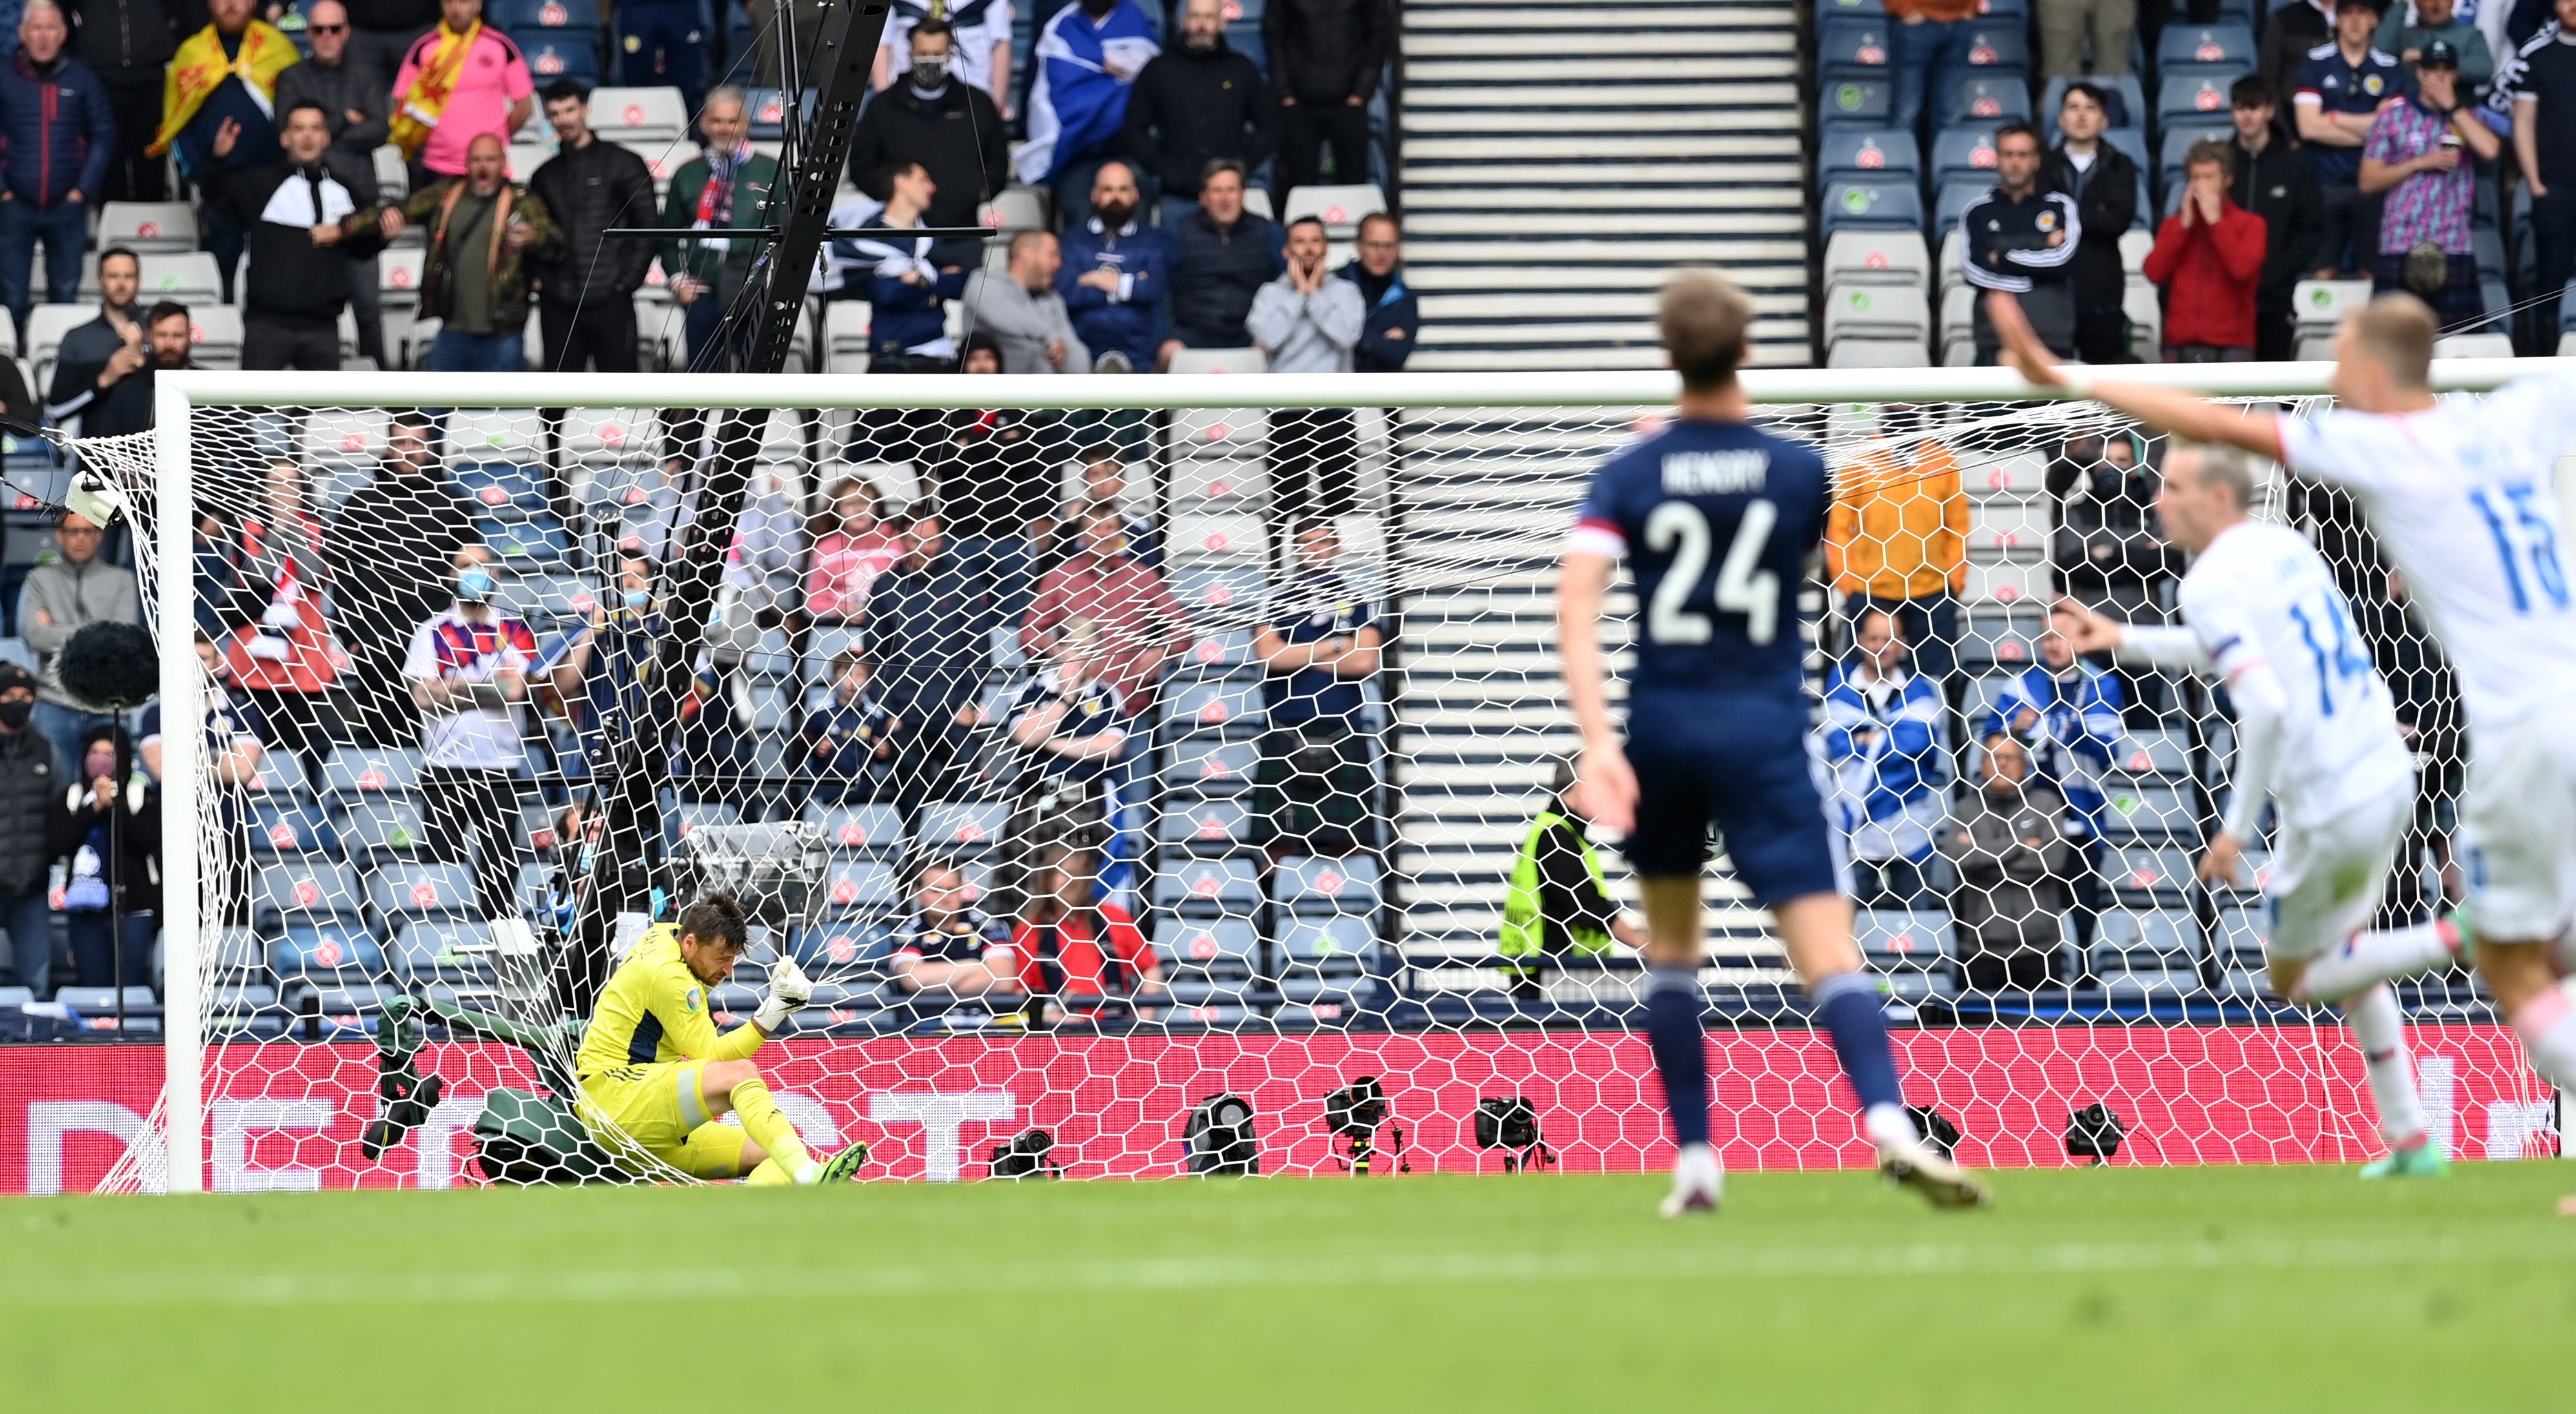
pixel 1204 753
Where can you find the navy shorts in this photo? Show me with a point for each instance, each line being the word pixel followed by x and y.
pixel 1745 763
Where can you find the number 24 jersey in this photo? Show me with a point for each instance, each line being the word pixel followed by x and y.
pixel 1717 521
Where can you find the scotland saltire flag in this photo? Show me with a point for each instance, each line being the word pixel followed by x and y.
pixel 1076 106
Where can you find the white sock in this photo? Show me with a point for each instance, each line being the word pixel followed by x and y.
pixel 2369 958
pixel 2547 1026
pixel 1889 1125
pixel 2381 1033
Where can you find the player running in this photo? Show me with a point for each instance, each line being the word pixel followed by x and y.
pixel 1717 521
pixel 2317 732
pixel 2459 492
pixel 655 1074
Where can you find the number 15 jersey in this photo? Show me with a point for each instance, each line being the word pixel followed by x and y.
pixel 2461 495
pixel 1717 521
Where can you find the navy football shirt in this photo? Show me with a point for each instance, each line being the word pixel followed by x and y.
pixel 1716 521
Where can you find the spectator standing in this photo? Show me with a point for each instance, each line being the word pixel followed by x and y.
pixel 2341 89
pixel 2544 148
pixel 1327 58
pixel 1896 543
pixel 662 44
pixel 1394 316
pixel 848 742
pixel 2022 238
pixel 1222 256
pixel 979 54
pixel 2015 867
pixel 2104 183
pixel 60 132
pixel 2409 25
pixel 408 528
pixel 2109 550
pixel 1557 900
pixel 2417 156
pixel 63 595
pixel 2066 714
pixel 459 82
pixel 1883 730
pixel 1195 104
pixel 484 231
pixel 2272 180
pixel 1020 308
pixel 114 394
pixel 288 662
pixel 1074 948
pixel 81 361
pixel 941 120
pixel 383 31
pixel 1308 322
pixel 852 546
pixel 997 472
pixel 2289 33
pixel 1114 275
pixel 910 282
pixel 2208 260
pixel 226 72
pixel 231 752
pixel 1069 727
pixel 586 283
pixel 2065 25
pixel 353 102
pixel 29 786
pixel 1925 38
pixel 1315 784
pixel 724 186
pixel 1134 611
pixel 106 828
pixel 1104 482
pixel 949 945
pixel 468 672
pixel 929 630
pixel 128 44
pixel 309 229
pixel 1085 59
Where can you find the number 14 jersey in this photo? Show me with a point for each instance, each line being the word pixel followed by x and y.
pixel 1717 521
pixel 2461 496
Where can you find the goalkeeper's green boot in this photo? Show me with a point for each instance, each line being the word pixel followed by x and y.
pixel 843 1166
pixel 2464 928
pixel 2417 1162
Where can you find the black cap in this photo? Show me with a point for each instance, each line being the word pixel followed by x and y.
pixel 2439 51
pixel 16 675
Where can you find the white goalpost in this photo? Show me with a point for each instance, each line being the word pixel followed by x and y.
pixel 1313 898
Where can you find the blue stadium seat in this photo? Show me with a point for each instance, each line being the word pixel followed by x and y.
pixel 1954 197
pixel 963 829
pixel 1209 946
pixel 2146 871
pixel 1221 593
pixel 1966 96
pixel 1212 768
pixel 1964 152
pixel 842 945
pixel 1870 11
pixel 448 948
pixel 500 489
pixel 1224 708
pixel 2196 99
pixel 1993 11
pixel 1229 886
pixel 290 829
pixel 2206 44
pixel 303 890
pixel 767 107
pixel 1218 651
pixel 1910 948
pixel 1327 885
pixel 870 831
pixel 2153 813
pixel 2003 47
pixel 1214 826
pixel 1880 205
pixel 578 15
pixel 1867 153
pixel 1852 47
pixel 280 777
pixel 354 772
pixel 1326 958
pixel 2154 751
pixel 554 54
pixel 527 542
pixel 2176 143
pixel 330 945
pixel 382 829
pixel 861 886
pixel 1861 103
pixel 400 891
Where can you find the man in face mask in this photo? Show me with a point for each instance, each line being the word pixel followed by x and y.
pixel 468 671
pixel 947 125
pixel 28 782
pixel 1115 270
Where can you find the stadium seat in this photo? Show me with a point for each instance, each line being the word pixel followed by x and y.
pixel 2008 527
pixel 1954 198
pixel 1900 943
pixel 1214 708
pixel 280 777
pixel 1220 592
pixel 1864 153
pixel 494 434
pixel 1243 360
pixel 400 891
pixel 2205 44
pixel 190 277
pixel 1212 767
pixel 2473 346
pixel 856 885
pixel 1852 46
pixel 2000 47
pixel 327 947
pixel 148 227
pixel 1206 826
pixel 555 55
pixel 1879 205
pixel 582 16
pixel 2179 132
pixel 1851 352
pixel 1965 151
pixel 2008 582
pixel 525 542
pixel 639 115
pixel 1897 312
pixel 356 771
pixel 845 945
pixel 1231 887
pixel 961 828
pixel 2320 305
pixel 2161 872
pixel 1326 885
pixel 1217 540
pixel 845 337
pixel 868 831
pixel 303 890
pixel 290 829
pixel 2191 99
pixel 447 948
pixel 46 325
pixel 398 278
pixel 1318 952
pixel 604 436
pixel 500 489
pixel 1341 208
pixel 1965 97
pixel 382 830
pixel 1218 652
pixel 2147 812
pixel 1208 961
pixel 1860 257
pixel 1861 103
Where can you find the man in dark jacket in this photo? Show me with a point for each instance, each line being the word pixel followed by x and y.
pixel 128 43
pixel 2015 870
pixel 1326 57
pixel 308 226
pixel 909 282
pixel 356 107
pixel 949 126
pixel 406 527
pixel 1115 271
pixel 2104 183
pixel 930 626
pixel 1394 315
pixel 114 394
pixel 1196 103
pixel 1222 257
pixel 2275 182
pixel 586 283
pixel 56 131
pixel 28 783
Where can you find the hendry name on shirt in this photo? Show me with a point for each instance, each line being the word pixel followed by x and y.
pixel 1714 473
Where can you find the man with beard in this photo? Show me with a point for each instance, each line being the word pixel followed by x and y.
pixel 1115 271
pixel 406 528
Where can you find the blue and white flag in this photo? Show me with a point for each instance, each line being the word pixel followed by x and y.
pixel 1077 105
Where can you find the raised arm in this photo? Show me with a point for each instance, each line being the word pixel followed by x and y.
pixel 2159 409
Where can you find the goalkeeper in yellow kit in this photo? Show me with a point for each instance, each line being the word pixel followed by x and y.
pixel 656 1076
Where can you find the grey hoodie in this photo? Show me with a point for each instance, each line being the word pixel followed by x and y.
pixel 72 595
pixel 1307 333
pixel 1023 323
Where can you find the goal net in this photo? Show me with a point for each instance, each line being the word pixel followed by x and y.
pixel 1157 775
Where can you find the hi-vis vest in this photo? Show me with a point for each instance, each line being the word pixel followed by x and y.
pixel 1524 932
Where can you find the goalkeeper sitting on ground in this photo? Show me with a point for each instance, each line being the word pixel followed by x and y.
pixel 655 1075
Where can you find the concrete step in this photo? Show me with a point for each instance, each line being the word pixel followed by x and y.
pixel 1747 211
pixel 1600 97
pixel 1629 19
pixel 1706 142
pixel 1621 279
pixel 1638 333
pixel 1420 72
pixel 1598 251
pixel 1439 121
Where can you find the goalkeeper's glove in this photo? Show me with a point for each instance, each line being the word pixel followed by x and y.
pixel 788 990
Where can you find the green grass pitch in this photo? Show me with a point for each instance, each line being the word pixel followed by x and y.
pixel 2184 1289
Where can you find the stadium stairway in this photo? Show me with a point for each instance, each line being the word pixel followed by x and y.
pixel 1556 160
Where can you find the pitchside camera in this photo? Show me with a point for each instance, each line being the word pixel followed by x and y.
pixel 1511 1123
pixel 1221 1138
pixel 1356 1112
pixel 1030 1155
pixel 2094 1133
pixel 1936 1129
